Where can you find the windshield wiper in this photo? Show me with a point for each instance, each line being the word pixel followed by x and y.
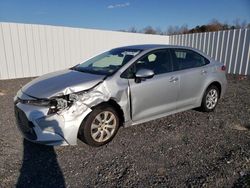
pixel 86 71
pixel 73 68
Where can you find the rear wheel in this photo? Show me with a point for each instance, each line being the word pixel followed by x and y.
pixel 100 126
pixel 210 99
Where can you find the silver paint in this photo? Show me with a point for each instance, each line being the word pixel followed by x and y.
pixel 152 98
pixel 61 83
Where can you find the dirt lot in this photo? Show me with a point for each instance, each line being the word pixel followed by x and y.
pixel 189 149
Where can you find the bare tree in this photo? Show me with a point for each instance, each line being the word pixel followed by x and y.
pixel 159 31
pixel 213 25
pixel 132 30
pixel 173 30
pixel 184 29
pixel 149 30
pixel 240 24
pixel 236 23
pixel 170 30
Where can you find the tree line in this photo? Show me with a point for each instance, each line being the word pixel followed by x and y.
pixel 214 25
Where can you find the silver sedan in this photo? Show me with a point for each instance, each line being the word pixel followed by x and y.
pixel 121 87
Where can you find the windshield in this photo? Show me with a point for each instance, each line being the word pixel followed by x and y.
pixel 108 62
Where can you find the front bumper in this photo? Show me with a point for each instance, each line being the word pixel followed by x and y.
pixel 60 128
pixel 37 127
pixel 57 129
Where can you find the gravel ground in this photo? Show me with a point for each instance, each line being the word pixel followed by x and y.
pixel 189 149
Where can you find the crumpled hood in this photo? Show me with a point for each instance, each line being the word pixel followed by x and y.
pixel 61 83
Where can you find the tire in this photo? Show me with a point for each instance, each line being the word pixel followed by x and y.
pixel 210 99
pixel 95 130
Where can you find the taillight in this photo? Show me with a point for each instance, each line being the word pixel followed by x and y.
pixel 223 68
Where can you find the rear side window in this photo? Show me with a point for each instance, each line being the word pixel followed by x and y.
pixel 186 59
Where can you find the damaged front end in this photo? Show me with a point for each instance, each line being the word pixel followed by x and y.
pixel 55 121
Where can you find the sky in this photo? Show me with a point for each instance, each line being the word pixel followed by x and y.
pixel 123 14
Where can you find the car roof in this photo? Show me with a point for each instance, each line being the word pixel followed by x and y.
pixel 145 47
pixel 153 46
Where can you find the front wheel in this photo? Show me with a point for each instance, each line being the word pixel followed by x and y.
pixel 100 126
pixel 210 99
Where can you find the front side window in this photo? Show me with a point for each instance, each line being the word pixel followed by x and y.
pixel 108 62
pixel 158 61
pixel 185 59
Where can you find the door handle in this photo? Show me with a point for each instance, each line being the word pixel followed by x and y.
pixel 173 79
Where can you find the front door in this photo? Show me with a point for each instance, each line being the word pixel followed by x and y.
pixel 154 96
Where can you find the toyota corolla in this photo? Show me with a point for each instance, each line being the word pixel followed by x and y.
pixel 121 87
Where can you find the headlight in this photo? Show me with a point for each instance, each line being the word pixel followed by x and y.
pixel 35 102
pixel 60 103
pixel 55 104
pixel 74 97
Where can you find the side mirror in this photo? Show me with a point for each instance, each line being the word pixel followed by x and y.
pixel 144 73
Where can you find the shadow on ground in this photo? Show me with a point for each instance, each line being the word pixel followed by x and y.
pixel 40 167
pixel 243 181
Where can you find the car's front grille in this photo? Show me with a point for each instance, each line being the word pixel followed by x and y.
pixel 24 124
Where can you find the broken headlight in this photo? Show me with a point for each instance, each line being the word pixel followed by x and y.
pixel 60 103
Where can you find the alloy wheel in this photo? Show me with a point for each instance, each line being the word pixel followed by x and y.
pixel 211 99
pixel 103 126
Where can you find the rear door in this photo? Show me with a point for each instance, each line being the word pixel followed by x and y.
pixel 192 70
